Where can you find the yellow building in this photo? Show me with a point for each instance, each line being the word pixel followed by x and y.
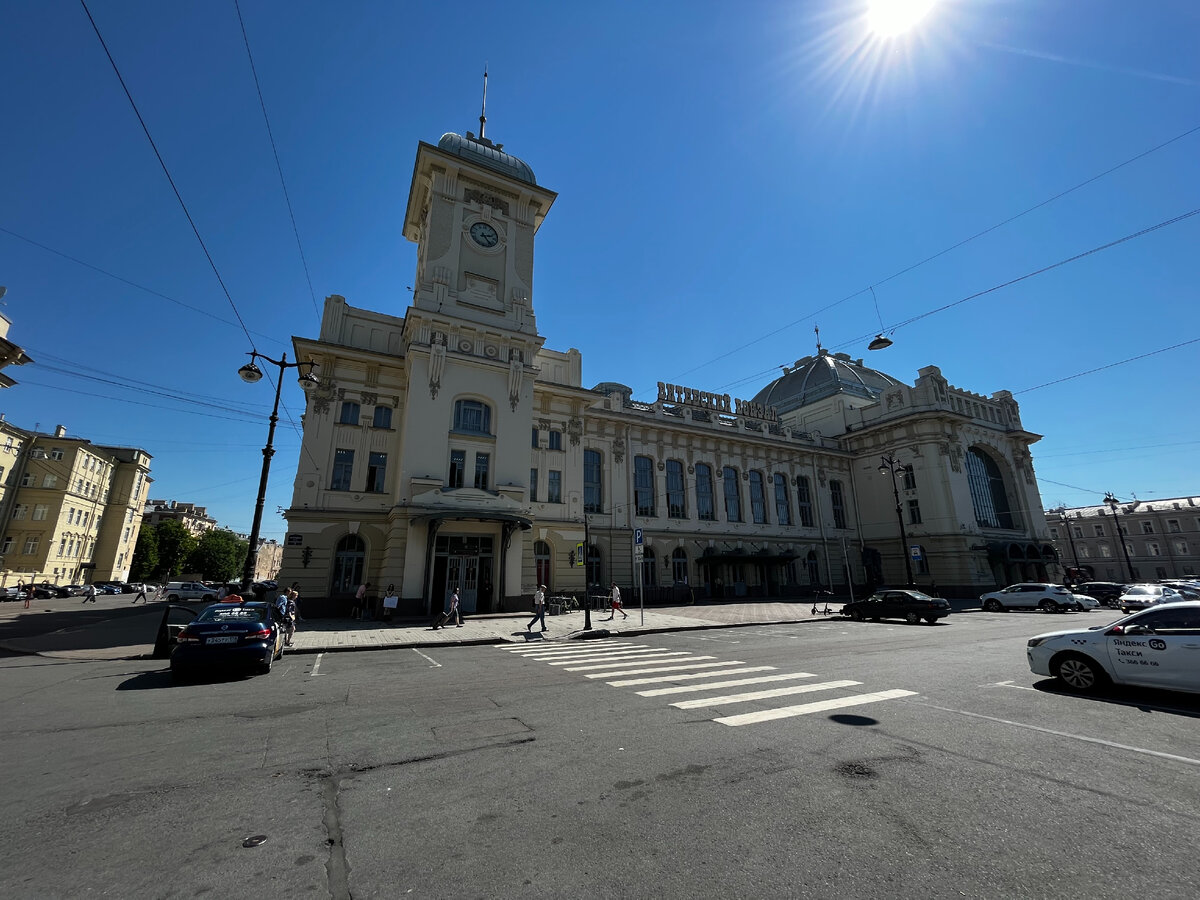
pixel 70 510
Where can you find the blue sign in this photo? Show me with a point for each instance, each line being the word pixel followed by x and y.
pixel 915 552
pixel 637 536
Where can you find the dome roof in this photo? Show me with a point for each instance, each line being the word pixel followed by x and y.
pixel 817 377
pixel 486 154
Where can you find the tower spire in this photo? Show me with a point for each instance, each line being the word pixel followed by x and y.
pixel 483 108
pixel 817 332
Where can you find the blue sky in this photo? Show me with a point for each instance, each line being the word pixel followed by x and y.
pixel 729 176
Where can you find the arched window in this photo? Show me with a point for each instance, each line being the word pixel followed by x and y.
pixel 987 491
pixel 541 563
pixel 595 569
pixel 349 561
pixel 649 569
pixel 472 416
pixel 679 566
pixel 813 570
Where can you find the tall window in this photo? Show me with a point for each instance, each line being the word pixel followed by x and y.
pixel 458 465
pixel 676 495
pixel 1098 530
pixel 348 559
pixel 1147 527
pixel 39 512
pixel 472 416
pixel 643 485
pixel 910 479
pixel 482 460
pixel 382 417
pixel 1173 526
pixel 914 512
pixel 20 511
pixel 783 508
pixel 533 482
pixel 593 496
pixel 679 567
pixel 705 508
pixel 555 440
pixel 837 499
pixel 595 572
pixel 343 467
pixel 541 563
pixel 554 487
pixel 376 472
pixel 49 481
pixel 804 502
pixel 733 495
pixel 1153 549
pixel 350 413
pixel 535 439
pixel 31 545
pixel 758 499
pixel 987 491
pixel 649 569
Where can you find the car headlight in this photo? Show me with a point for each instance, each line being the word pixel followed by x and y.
pixel 1036 641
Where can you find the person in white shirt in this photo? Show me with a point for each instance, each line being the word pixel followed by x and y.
pixel 455 613
pixel 539 608
pixel 616 604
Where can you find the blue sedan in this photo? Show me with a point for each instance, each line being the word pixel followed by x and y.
pixel 228 635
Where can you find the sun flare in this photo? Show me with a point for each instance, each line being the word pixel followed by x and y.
pixel 890 18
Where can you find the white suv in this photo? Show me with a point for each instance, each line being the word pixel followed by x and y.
pixel 1030 595
pixel 190 590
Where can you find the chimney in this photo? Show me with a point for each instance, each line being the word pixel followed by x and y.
pixel 60 431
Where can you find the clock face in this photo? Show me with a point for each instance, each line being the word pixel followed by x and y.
pixel 484 234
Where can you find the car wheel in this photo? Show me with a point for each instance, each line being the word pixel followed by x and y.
pixel 1079 673
pixel 931 621
pixel 174 598
pixel 856 615
pixel 912 618
pixel 1048 606
pixel 264 667
pixel 993 605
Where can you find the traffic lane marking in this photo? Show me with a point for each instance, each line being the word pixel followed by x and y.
pixel 606 647
pixel 623 659
pixel 561 659
pixel 1065 734
pixel 661 678
pixel 804 709
pixel 432 663
pixel 763 695
pixel 316 669
pixel 1116 701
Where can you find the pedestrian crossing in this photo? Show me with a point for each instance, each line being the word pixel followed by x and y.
pixel 624 664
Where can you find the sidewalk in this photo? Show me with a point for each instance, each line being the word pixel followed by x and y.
pixel 132 635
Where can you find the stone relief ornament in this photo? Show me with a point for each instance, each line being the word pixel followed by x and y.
pixel 894 399
pixel 516 372
pixel 575 430
pixel 618 450
pixel 370 399
pixel 320 405
pixel 437 365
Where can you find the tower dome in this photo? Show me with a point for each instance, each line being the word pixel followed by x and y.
pixel 814 378
pixel 491 156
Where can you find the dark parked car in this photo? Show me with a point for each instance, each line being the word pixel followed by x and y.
pixel 910 605
pixel 242 635
pixel 47 591
pixel 1107 592
pixel 108 587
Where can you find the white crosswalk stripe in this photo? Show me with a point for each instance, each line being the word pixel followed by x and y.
pixel 685 657
pixel 767 715
pixel 612 654
pixel 622 657
pixel 763 695
pixel 685 666
pixel 661 678
pixel 737 682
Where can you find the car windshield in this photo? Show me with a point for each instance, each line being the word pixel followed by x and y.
pixel 1141 590
pixel 919 596
pixel 233 614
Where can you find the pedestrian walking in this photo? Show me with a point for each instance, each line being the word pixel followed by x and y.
pixel 89 594
pixel 141 595
pixel 21 589
pixel 455 612
pixel 615 603
pixel 539 608
pixel 390 603
pixel 222 593
pixel 294 596
pixel 360 600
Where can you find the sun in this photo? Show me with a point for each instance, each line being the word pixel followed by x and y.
pixel 890 18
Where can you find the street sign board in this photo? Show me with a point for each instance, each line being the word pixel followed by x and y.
pixel 638 552
pixel 915 552
pixel 295 540
pixel 637 536
pixel 579 560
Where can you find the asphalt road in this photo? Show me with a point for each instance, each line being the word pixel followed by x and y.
pixel 913 761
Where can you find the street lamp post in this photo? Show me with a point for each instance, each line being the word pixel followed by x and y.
pixel 251 373
pixel 889 464
pixel 1066 524
pixel 1112 503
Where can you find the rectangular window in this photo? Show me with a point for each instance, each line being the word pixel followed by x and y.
pixel 350 413
pixel 914 512
pixel 482 461
pixel 343 467
pixel 458 468
pixel 554 487
pixel 643 485
pixel 1147 528
pixel 676 493
pixel 1098 530
pixel 126 535
pixel 71 516
pixel 1077 531
pixel 1085 551
pixel 533 482
pixel 593 495
pixel 376 472
pixel 838 499
pixel 705 507
pixel 758 499
pixel 1181 548
pixel 733 494
pixel 1173 526
pixel 28 479
pixel 49 481
pixel 1153 549
pixel 472 416
pixel 535 439
pixel 1053 533
pixel 555 440
pixel 20 511
pixel 783 508
pixel 7 545
pixel 39 512
pixel 804 502
pixel 56 453
pixel 31 545
pixel 62 546
pixel 382 417
pixel 910 479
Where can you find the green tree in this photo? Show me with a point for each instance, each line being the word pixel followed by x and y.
pixel 175 545
pixel 219 556
pixel 145 555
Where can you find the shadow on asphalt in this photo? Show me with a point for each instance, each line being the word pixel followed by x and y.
pixel 162 678
pixel 69 614
pixel 844 719
pixel 147 681
pixel 1150 700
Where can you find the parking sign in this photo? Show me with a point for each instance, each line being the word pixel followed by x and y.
pixel 637 536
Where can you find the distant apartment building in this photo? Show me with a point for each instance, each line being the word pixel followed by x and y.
pixel 1161 537
pixel 69 508
pixel 192 517
pixel 268 561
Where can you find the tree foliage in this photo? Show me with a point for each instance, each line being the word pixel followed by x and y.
pixel 218 556
pixel 144 564
pixel 175 545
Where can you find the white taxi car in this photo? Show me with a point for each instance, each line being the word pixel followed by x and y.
pixel 1157 647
